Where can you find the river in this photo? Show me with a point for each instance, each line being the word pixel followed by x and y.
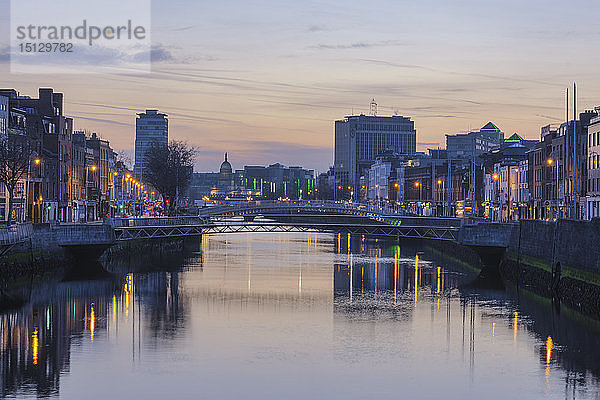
pixel 295 316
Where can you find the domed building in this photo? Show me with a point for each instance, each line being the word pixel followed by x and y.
pixel 225 181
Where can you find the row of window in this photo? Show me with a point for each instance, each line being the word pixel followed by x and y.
pixel 386 127
pixel 370 146
pixel 594 184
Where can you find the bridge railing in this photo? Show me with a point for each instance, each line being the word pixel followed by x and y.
pixel 308 204
pixel 156 221
pixel 15 233
pixel 84 234
pixel 438 222
pixel 387 219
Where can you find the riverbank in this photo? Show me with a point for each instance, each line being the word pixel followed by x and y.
pixel 558 260
pixel 41 258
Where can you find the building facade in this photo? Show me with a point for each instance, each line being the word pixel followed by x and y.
pixel 54 187
pixel 469 146
pixel 360 139
pixel 150 127
pixel 593 161
pixel 277 181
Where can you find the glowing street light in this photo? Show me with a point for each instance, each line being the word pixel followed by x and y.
pixel 550 161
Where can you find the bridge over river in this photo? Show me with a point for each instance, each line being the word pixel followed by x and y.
pixel 289 217
pixel 353 219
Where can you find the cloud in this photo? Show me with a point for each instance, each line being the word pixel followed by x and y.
pixel 357 45
pixel 549 117
pixel 101 120
pixel 391 64
pixel 183 28
pixel 466 74
pixel 159 53
pixel 317 28
pixel 5 54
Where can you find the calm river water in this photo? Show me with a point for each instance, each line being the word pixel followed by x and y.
pixel 294 316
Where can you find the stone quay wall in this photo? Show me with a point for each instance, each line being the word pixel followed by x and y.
pixel 558 259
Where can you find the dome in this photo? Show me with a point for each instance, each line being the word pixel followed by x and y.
pixel 225 167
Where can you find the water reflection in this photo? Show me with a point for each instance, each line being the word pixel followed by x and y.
pixel 38 341
pixel 274 311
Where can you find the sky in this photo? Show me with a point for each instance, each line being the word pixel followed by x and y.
pixel 265 80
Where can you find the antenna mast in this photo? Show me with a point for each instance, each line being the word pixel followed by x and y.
pixel 373 108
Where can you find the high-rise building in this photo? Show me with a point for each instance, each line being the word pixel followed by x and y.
pixel 359 139
pixel 150 127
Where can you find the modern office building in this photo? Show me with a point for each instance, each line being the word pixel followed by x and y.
pixel 150 127
pixel 468 146
pixel 359 139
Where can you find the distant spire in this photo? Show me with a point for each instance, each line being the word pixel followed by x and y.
pixel 225 156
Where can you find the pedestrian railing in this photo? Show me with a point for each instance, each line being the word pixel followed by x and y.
pixel 265 205
pixel 14 234
pixel 139 222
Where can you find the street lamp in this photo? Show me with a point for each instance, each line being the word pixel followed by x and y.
pixel 87 191
pixel 550 161
pixel 496 178
pixel 36 161
pixel 420 186
pixel 441 183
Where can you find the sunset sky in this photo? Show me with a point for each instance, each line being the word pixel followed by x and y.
pixel 264 80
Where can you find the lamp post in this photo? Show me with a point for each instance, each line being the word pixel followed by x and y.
pixel 440 182
pixel 496 179
pixel 115 191
pixel 87 190
pixel 420 186
pixel 550 161
pixel 36 161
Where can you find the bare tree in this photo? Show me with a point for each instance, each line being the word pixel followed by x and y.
pixel 125 160
pixel 15 155
pixel 169 170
